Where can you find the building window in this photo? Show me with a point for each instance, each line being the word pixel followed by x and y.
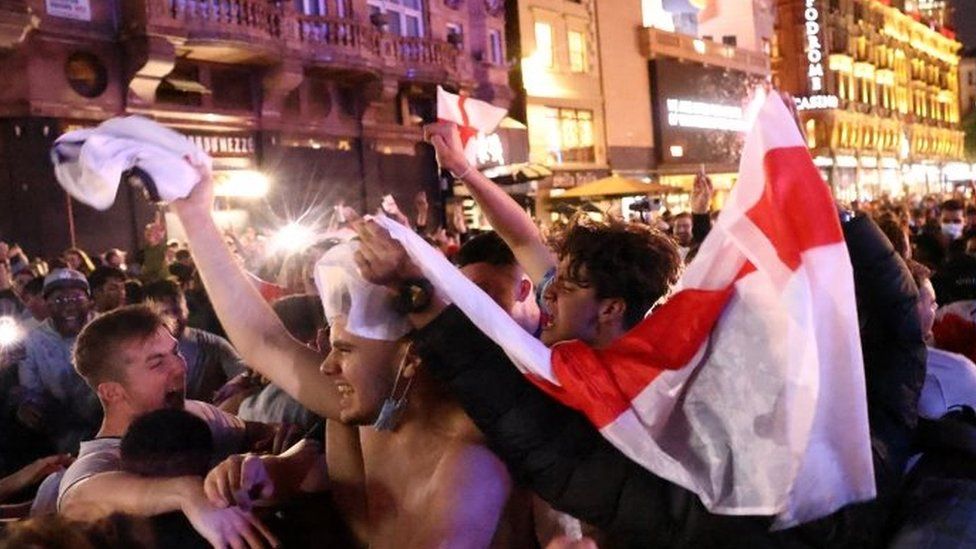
pixel 577 51
pixel 561 136
pixel 321 7
pixel 495 53
pixel 730 41
pixel 405 17
pixel 455 34
pixel 543 43
pixel 812 133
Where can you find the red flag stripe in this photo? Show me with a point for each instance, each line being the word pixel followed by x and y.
pixel 602 383
pixel 795 212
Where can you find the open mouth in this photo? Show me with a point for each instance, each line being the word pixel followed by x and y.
pixel 548 320
pixel 345 390
pixel 175 397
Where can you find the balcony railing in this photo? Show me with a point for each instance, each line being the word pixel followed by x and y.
pixel 669 44
pixel 321 38
pixel 317 34
pixel 238 18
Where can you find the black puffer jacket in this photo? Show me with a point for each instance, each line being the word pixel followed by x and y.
pixel 557 453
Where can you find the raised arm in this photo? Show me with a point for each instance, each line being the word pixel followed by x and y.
pixel 251 324
pixel 505 215
pixel 106 493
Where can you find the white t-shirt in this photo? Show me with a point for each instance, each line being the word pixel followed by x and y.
pixel 950 380
pixel 104 455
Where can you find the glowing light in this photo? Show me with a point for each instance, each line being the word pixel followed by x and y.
pixel 677 151
pixel 699 46
pixel 817 102
pixel 292 238
pixel 10 332
pixel 684 113
pixel 242 183
pixel 815 72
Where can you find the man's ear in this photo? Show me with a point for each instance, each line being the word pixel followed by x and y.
pixel 110 392
pixel 524 290
pixel 611 311
pixel 411 362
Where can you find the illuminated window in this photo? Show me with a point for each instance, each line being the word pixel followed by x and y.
pixel 495 48
pixel 812 133
pixel 559 136
pixel 577 51
pixel 543 43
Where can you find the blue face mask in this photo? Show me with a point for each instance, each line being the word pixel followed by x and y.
pixel 391 412
pixel 952 230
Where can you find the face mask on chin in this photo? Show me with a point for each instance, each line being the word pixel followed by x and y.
pixel 952 230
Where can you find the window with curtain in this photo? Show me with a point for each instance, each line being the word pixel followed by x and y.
pixel 543 43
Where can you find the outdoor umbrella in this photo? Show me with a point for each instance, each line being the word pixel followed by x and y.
pixel 618 186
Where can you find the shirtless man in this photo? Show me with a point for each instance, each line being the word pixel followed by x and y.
pixel 430 481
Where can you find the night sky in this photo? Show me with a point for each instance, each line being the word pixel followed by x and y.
pixel 965 20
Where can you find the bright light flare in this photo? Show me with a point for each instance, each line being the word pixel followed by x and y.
pixel 242 184
pixel 10 332
pixel 292 238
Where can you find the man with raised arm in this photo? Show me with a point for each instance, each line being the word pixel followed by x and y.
pixel 559 454
pixel 421 477
pixel 131 360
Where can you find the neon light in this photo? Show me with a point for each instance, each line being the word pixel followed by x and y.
pixel 683 113
pixel 815 70
pixel 817 102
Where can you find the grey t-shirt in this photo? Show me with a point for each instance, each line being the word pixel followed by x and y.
pixel 104 455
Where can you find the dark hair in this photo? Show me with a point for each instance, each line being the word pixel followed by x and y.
pixel 920 273
pixel 620 260
pixel 162 289
pixel 96 350
pixel 133 292
pixel 182 254
pixel 485 248
pixel 302 315
pixel 682 215
pixel 896 231
pixel 101 275
pixel 167 443
pixel 952 204
pixel 34 286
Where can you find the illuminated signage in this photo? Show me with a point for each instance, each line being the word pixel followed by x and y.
pixel 223 144
pixel 817 102
pixel 683 113
pixel 815 70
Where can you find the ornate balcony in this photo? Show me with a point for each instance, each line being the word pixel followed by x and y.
pixel 259 31
pixel 331 41
pixel 220 30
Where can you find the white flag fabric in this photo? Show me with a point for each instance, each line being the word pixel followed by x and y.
pixel 89 163
pixel 472 116
pixel 747 386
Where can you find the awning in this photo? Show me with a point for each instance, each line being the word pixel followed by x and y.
pixel 619 186
pixel 512 174
pixel 187 86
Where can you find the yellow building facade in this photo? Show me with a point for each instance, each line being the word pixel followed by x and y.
pixel 878 93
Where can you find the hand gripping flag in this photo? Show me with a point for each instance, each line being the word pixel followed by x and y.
pixel 472 116
pixel 747 385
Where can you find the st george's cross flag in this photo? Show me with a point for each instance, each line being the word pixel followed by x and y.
pixel 472 116
pixel 747 385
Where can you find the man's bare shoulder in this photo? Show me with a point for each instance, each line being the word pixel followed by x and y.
pixel 470 467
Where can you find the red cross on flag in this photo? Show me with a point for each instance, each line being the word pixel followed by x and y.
pixel 747 386
pixel 472 116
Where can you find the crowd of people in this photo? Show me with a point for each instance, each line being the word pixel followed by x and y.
pixel 205 394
